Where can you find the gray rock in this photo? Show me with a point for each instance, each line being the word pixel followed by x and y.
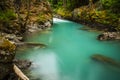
pixel 19 38
pixel 109 36
pixel 57 16
pixel 13 37
pixel 47 24
pixel 10 36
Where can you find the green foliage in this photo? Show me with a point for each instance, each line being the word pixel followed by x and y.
pixel 68 4
pixel 43 17
pixel 103 17
pixel 107 3
pixel 113 5
pixel 7 15
pixel 63 12
pixel 59 4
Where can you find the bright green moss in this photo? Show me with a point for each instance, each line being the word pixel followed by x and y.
pixel 7 15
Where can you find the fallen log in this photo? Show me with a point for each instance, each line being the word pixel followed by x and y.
pixel 19 73
pixel 30 44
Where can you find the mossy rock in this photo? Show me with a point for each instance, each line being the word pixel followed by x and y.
pixel 7 51
pixel 7 45
pixel 97 16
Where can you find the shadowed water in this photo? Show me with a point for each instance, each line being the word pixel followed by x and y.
pixel 68 54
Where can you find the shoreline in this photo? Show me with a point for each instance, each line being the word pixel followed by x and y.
pixel 92 25
pixel 106 33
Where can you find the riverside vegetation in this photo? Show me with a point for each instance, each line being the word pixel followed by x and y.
pixel 24 17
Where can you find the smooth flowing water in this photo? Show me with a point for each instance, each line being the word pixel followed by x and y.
pixel 68 54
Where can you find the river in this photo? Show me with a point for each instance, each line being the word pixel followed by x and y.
pixel 68 54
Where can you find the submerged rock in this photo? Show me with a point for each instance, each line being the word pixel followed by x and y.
pixel 105 59
pixel 109 36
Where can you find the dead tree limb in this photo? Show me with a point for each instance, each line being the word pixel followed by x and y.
pixel 20 73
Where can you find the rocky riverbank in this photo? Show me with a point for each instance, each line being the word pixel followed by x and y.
pixel 14 25
pixel 92 15
pixel 90 24
pixel 107 33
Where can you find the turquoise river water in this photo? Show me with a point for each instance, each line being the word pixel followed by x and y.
pixel 68 54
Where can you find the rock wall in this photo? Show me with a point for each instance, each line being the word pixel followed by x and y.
pixel 22 15
pixel 40 15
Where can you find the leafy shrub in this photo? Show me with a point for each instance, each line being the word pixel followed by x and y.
pixel 63 12
pixel 103 16
pixel 43 17
pixel 7 15
pixel 113 5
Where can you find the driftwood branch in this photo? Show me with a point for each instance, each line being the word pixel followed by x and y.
pixel 20 73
